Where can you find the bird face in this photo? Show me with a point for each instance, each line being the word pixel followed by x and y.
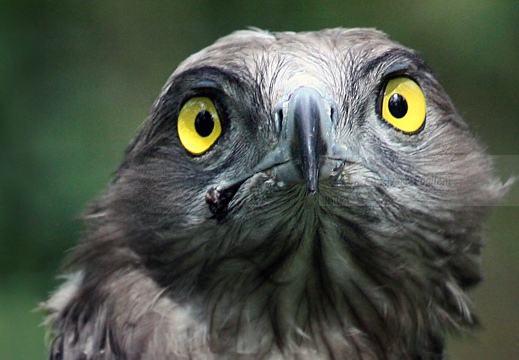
pixel 311 188
pixel 258 127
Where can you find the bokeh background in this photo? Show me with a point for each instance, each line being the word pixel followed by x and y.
pixel 78 77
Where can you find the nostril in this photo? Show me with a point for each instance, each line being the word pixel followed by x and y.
pixel 333 111
pixel 278 117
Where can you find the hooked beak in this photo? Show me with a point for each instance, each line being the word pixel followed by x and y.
pixel 306 138
pixel 306 152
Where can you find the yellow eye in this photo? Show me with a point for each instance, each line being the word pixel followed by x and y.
pixel 198 125
pixel 403 105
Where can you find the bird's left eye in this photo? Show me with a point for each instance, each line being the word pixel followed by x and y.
pixel 403 105
pixel 198 125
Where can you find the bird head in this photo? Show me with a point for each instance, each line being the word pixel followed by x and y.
pixel 297 183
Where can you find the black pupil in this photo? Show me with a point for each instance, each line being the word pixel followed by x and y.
pixel 397 106
pixel 204 123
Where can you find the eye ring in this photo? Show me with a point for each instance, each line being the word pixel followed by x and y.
pixel 198 125
pixel 403 105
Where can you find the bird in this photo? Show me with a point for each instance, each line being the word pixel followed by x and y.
pixel 291 195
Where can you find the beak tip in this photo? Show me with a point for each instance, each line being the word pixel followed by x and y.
pixel 312 183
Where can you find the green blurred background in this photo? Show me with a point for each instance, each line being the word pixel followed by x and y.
pixel 77 78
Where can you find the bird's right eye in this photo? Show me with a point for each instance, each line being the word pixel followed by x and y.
pixel 198 125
